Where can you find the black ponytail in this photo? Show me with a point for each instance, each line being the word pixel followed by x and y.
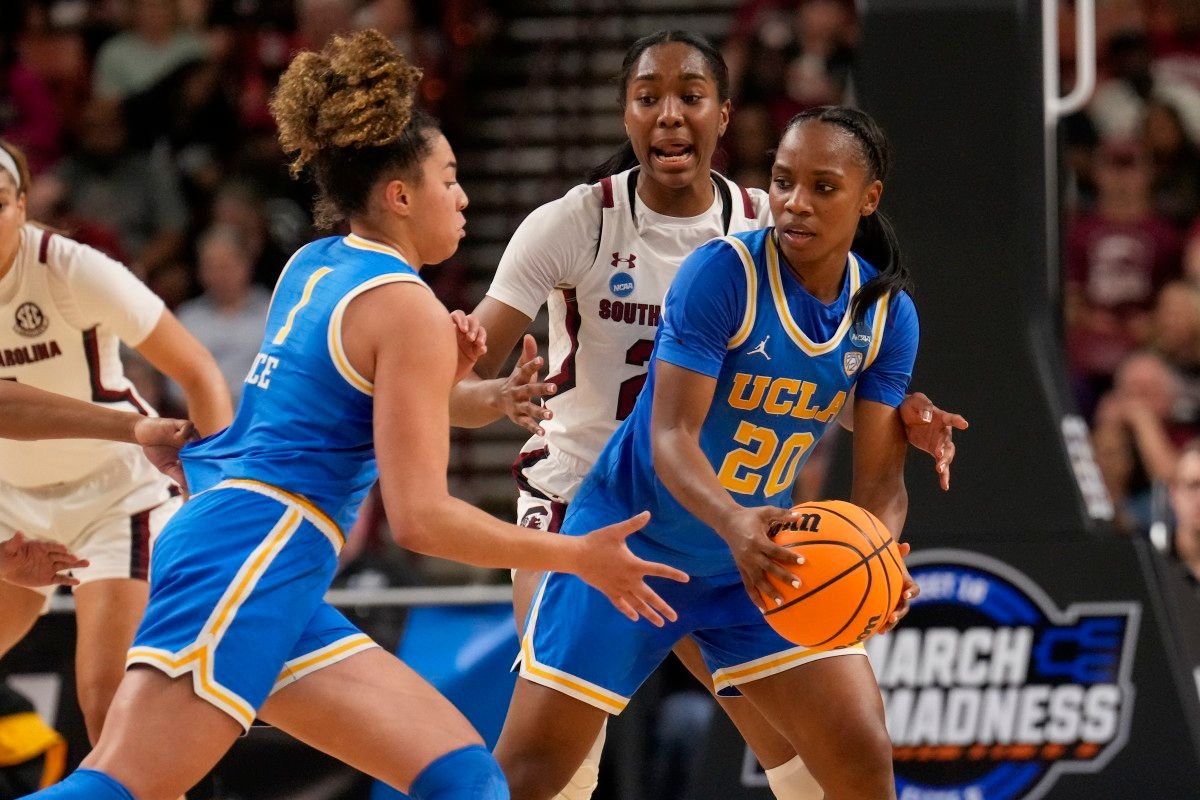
pixel 875 240
pixel 625 158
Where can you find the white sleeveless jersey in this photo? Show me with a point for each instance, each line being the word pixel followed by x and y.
pixel 602 262
pixel 64 309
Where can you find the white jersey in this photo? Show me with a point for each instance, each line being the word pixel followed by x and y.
pixel 64 309
pixel 602 261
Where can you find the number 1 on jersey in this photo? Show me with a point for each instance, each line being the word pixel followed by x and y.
pixel 305 296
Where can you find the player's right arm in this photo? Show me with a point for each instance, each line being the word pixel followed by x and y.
pixel 549 249
pixel 411 358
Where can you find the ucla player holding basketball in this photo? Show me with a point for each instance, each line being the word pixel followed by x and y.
pixel 764 335
pixel 602 257
pixel 356 365
pixel 65 310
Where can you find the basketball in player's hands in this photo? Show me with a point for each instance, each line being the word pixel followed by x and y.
pixel 850 581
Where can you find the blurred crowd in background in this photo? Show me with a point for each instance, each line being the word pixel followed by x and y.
pixel 146 123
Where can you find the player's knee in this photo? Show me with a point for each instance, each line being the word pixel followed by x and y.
pixel 534 775
pixel 469 773
pixel 873 763
pixel 95 692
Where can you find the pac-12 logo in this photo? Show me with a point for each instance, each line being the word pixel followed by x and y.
pixel 621 284
pixel 992 692
pixel 30 321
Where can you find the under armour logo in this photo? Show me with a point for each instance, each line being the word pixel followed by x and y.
pixel 761 350
pixel 618 261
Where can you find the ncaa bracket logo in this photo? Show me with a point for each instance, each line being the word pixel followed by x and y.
pixel 992 692
pixel 621 284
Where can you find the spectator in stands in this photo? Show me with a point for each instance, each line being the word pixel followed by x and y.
pixel 240 205
pixel 1176 160
pixel 1117 257
pixel 801 52
pixel 133 61
pixel 1113 450
pixel 136 195
pixel 1176 328
pixel 318 20
pixel 1119 104
pixel 1185 503
pixel 1143 409
pixel 228 318
pixel 28 115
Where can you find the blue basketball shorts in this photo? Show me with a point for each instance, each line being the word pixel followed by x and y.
pixel 237 585
pixel 577 643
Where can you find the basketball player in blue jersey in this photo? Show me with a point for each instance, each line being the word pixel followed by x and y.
pixel 764 337
pixel 356 365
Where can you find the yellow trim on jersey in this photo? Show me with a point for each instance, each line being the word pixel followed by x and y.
pixel 23 737
pixel 319 519
pixel 286 267
pixel 196 660
pixel 881 312
pixel 785 315
pixel 359 243
pixel 337 352
pixel 774 664
pixel 743 333
pixel 197 657
pixel 305 296
pixel 551 678
pixel 324 657
pixel 250 572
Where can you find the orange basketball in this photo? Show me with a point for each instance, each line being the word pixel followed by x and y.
pixel 850 579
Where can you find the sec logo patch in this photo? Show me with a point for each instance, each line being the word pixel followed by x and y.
pixel 30 321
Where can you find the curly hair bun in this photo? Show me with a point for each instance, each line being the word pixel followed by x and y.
pixel 357 92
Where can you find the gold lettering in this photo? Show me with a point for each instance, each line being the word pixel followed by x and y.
pixel 778 387
pixel 737 395
pixel 802 410
pixel 831 411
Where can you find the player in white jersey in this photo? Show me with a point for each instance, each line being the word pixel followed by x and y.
pixel 29 414
pixel 64 311
pixel 602 257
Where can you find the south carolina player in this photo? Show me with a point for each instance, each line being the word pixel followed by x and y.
pixel 64 311
pixel 29 414
pixel 602 257
pixel 765 336
pixel 357 362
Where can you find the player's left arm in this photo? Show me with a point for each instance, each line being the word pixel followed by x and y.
pixel 880 440
pixel 179 355
pixel 879 449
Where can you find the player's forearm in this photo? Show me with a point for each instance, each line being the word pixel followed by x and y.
pixel 886 498
pixel 450 528
pixel 208 402
pixel 473 402
pixel 27 413
pixel 686 472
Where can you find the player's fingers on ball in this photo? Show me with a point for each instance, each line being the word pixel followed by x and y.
pixel 769 592
pixel 786 576
pixel 904 548
pixel 782 555
pixel 752 591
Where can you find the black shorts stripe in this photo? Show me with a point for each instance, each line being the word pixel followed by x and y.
pixel 139 545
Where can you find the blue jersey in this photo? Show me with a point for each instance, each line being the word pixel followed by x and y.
pixel 304 423
pixel 784 365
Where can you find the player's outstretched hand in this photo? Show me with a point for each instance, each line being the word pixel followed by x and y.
pixel 931 429
pixel 472 342
pixel 161 440
pixel 908 591
pixel 747 531
pixel 31 563
pixel 519 395
pixel 609 566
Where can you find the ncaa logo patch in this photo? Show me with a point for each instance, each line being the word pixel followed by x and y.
pixel 621 284
pixel 30 321
pixel 851 361
pixel 993 692
pixel 860 336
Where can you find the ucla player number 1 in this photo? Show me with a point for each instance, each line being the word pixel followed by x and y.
pixel 740 469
